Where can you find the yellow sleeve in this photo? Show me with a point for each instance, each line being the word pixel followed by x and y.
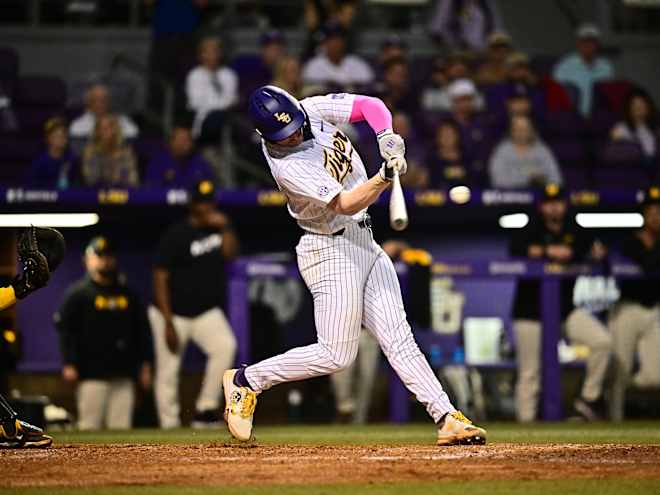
pixel 7 297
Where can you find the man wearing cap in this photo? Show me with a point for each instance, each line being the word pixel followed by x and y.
pixel 105 340
pixel 333 67
pixel 178 165
pixel 634 321
pixel 553 236
pixel 189 293
pixel 585 67
pixel 494 70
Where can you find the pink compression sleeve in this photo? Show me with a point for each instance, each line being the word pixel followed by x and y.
pixel 373 110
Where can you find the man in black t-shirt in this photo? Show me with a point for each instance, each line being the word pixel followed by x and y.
pixel 635 320
pixel 552 236
pixel 189 293
pixel 105 341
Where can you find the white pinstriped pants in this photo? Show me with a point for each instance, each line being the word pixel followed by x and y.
pixel 354 284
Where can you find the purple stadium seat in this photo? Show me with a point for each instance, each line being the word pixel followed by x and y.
pixel 620 153
pixel 620 177
pixel 601 121
pixel 32 120
pixel 16 154
pixel 543 64
pixel 41 91
pixel 568 152
pixel 565 124
pixel 576 177
pixel 9 63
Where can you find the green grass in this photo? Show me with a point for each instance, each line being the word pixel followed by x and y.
pixel 641 432
pixel 563 487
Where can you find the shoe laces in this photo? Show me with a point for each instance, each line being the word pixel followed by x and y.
pixel 248 404
pixel 459 416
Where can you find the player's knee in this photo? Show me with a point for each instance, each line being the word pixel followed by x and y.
pixel 340 359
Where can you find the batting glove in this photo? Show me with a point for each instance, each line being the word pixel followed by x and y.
pixel 388 168
pixel 390 145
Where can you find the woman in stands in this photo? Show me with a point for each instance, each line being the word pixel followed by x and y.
pixel 107 160
pixel 522 159
pixel 639 125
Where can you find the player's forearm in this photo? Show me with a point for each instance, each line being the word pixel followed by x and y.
pixel 162 293
pixel 7 297
pixel 363 196
pixel 230 244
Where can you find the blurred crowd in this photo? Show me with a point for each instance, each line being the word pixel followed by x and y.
pixel 481 113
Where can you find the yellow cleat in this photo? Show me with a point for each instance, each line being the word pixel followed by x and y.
pixel 17 434
pixel 458 430
pixel 240 403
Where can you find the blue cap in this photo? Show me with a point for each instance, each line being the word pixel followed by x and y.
pixel 275 113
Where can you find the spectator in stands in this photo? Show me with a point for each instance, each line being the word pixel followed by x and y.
pixel 518 102
pixel 519 71
pixel 333 67
pixel 464 102
pixel 189 292
pixel 105 341
pixel 256 70
pixel 179 165
pixel 392 48
pixel 634 320
pixel 495 70
pixel 107 160
pixel 212 90
pixel 552 235
pixel 288 76
pixel 436 97
pixel 417 176
pixel 522 159
pixel 319 14
pixel 465 23
pixel 447 161
pixel 396 90
pixel 54 168
pixel 639 125
pixel 97 105
pixel 585 67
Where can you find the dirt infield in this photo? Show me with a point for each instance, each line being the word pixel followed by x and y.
pixel 217 464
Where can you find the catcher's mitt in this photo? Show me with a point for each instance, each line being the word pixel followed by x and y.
pixel 40 250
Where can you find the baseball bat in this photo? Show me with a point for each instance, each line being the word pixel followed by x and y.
pixel 398 211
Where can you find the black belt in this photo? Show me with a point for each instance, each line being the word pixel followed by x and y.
pixel 365 223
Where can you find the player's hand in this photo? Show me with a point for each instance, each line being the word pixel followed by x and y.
pixel 388 168
pixel 171 338
pixel 146 376
pixel 69 373
pixel 391 145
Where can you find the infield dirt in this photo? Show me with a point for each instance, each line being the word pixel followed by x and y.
pixel 218 464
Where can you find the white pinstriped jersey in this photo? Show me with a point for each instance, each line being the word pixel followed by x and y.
pixel 313 173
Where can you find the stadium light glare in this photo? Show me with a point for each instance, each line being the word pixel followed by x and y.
pixel 514 221
pixel 72 220
pixel 609 220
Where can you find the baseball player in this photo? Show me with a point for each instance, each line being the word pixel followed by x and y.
pixel 352 281
pixel 40 251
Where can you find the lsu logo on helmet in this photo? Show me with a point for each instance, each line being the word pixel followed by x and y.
pixel 283 117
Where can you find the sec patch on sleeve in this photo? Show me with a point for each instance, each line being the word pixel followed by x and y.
pixel 323 191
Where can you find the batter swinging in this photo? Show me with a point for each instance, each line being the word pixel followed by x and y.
pixel 352 281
